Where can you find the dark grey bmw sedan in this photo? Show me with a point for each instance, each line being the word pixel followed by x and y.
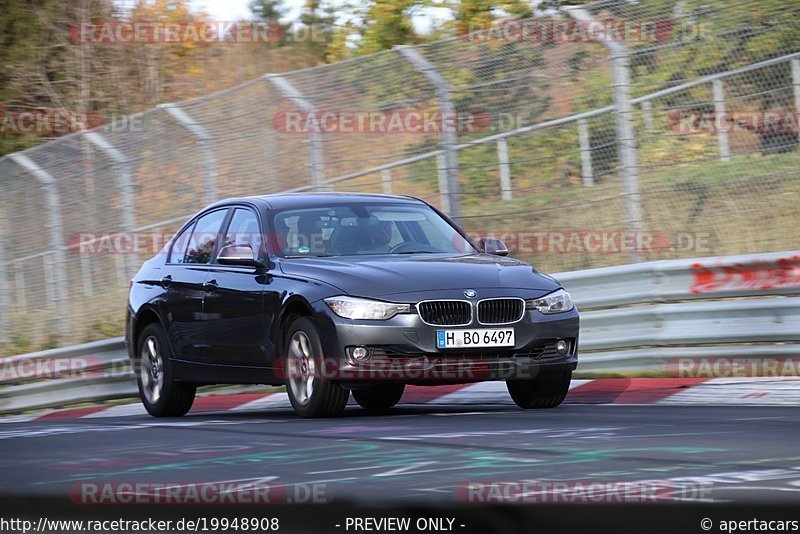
pixel 333 293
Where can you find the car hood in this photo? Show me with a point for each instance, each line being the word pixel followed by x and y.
pixel 375 276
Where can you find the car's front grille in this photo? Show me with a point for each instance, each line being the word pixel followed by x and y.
pixel 500 311
pixel 445 312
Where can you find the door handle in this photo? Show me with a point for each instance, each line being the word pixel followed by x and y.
pixel 166 281
pixel 210 285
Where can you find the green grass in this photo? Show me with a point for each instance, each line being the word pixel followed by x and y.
pixel 746 205
pixel 739 169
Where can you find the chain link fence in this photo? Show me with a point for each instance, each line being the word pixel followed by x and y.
pixel 587 137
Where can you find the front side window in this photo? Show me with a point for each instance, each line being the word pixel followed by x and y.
pixel 203 239
pixel 244 230
pixel 366 229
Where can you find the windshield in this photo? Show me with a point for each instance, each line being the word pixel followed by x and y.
pixel 366 229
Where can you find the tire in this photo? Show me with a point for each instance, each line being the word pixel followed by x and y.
pixel 381 397
pixel 310 394
pixel 161 395
pixel 546 391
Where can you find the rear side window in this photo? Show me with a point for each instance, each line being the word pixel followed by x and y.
pixel 179 245
pixel 203 239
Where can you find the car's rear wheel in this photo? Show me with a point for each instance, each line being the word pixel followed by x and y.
pixel 311 394
pixel 544 391
pixel 380 397
pixel 161 395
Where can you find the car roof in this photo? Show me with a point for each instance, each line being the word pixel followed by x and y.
pixel 311 200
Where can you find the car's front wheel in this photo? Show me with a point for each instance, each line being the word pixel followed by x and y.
pixel 310 393
pixel 380 397
pixel 545 391
pixel 161 395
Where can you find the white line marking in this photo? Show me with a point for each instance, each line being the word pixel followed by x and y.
pixel 123 410
pixel 330 471
pixel 270 401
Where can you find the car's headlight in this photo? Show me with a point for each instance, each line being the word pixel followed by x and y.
pixel 355 308
pixel 556 302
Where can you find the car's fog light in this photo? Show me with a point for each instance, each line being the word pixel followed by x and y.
pixel 561 346
pixel 361 354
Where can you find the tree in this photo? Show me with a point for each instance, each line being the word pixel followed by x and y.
pixel 387 23
pixel 43 67
pixel 318 27
pixel 267 9
pixel 338 48
pixel 271 11
pixel 160 65
pixel 479 14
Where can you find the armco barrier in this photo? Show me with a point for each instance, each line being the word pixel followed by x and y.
pixel 750 275
pixel 81 373
pixel 639 319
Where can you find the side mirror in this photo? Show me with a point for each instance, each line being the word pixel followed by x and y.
pixel 238 255
pixel 490 245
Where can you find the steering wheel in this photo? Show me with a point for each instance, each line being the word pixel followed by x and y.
pixel 412 247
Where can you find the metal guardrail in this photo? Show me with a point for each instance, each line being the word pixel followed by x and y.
pixel 89 372
pixel 642 319
pixel 648 318
pixel 689 279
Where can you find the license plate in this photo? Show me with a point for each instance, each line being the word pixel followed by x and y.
pixel 460 339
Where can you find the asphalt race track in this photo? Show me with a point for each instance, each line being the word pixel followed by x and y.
pixel 420 454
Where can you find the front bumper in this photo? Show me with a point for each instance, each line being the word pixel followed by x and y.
pixel 403 349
